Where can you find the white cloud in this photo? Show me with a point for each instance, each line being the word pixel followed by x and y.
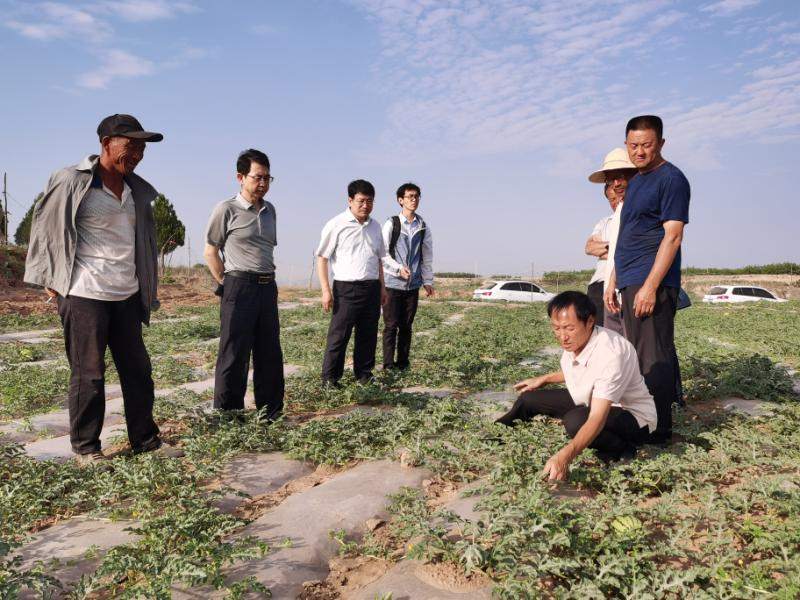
pixel 726 8
pixel 146 10
pixel 48 21
pixel 116 64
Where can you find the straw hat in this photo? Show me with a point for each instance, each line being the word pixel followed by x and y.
pixel 616 159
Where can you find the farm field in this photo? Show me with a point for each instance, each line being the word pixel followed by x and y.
pixel 405 488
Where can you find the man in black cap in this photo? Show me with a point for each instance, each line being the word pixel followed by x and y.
pixel 92 247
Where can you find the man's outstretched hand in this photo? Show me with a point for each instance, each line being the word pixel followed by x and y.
pixel 557 467
pixel 528 385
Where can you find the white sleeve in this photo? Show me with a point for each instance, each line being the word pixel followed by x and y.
pixel 327 242
pixel 390 265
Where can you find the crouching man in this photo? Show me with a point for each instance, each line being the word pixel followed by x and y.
pixel 605 406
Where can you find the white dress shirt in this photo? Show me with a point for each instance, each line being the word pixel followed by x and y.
pixel 601 231
pixel 608 368
pixel 613 234
pixel 105 262
pixel 354 249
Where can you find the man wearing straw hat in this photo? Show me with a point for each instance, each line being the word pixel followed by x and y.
pixel 617 169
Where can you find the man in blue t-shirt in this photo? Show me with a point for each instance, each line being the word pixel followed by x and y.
pixel 647 262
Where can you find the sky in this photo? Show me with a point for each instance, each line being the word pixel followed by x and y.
pixel 498 109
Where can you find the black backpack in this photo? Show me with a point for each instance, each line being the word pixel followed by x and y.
pixel 396 235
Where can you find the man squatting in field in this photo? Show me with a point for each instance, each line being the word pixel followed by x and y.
pixel 243 229
pixel 615 173
pixel 410 243
pixel 647 263
pixel 93 248
pixel 353 245
pixel 605 406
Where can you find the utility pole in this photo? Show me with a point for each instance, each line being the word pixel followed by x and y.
pixel 5 208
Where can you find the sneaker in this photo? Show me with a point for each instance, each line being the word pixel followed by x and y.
pixel 90 458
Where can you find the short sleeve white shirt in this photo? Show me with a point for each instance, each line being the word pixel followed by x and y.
pixel 601 231
pixel 354 249
pixel 608 368
pixel 613 234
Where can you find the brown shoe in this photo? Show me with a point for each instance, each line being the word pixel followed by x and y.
pixel 167 451
pixel 90 458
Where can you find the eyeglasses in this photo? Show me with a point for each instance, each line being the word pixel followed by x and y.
pixel 262 178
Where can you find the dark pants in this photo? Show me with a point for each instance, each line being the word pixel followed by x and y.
pixel 398 317
pixel 595 293
pixel 654 340
pixel 619 435
pixel 249 323
pixel 356 304
pixel 91 326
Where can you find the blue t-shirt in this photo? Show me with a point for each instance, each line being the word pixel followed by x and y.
pixel 651 199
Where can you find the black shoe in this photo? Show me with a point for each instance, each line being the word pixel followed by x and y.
pixel 330 384
pixel 366 380
pixel 660 438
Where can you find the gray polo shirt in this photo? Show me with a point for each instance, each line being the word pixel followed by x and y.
pixel 246 235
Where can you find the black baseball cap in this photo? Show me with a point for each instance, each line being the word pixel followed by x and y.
pixel 126 126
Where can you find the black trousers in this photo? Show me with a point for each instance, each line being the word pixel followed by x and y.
pixel 91 326
pixel 654 340
pixel 249 323
pixel 398 317
pixel 356 305
pixel 595 293
pixel 620 434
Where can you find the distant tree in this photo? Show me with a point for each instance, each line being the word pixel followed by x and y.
pixel 23 234
pixel 170 232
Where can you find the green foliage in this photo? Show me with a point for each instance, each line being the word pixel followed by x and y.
pixel 784 268
pixel 23 234
pixel 457 275
pixel 170 231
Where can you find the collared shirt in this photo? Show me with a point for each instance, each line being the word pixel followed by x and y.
pixel 408 252
pixel 607 368
pixel 600 231
pixel 246 235
pixel 613 234
pixel 105 263
pixel 354 249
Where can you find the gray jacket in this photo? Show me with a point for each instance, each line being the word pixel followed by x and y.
pixel 54 237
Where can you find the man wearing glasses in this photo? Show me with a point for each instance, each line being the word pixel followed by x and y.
pixel 352 244
pixel 617 169
pixel 409 241
pixel 243 230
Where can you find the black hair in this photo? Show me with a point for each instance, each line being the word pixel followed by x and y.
pixel 584 307
pixel 408 187
pixel 643 122
pixel 250 156
pixel 360 186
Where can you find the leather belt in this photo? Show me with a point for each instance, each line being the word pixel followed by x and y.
pixel 262 278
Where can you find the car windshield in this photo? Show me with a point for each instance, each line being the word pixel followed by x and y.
pixel 716 291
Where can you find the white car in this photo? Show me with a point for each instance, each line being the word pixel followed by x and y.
pixel 739 293
pixel 512 291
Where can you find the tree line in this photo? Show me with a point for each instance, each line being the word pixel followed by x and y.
pixel 170 231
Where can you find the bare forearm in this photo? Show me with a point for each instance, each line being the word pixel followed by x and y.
pixel 586 435
pixel 596 248
pixel 664 258
pixel 322 273
pixel 554 377
pixel 214 262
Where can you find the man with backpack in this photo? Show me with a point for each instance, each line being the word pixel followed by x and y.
pixel 410 243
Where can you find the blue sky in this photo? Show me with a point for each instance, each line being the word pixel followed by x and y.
pixel 498 109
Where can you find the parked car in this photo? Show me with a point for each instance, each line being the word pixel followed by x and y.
pixel 512 291
pixel 739 293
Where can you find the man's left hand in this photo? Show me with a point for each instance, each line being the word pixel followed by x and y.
pixel 557 468
pixel 644 302
pixel 384 296
pixel 404 273
pixel 428 290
